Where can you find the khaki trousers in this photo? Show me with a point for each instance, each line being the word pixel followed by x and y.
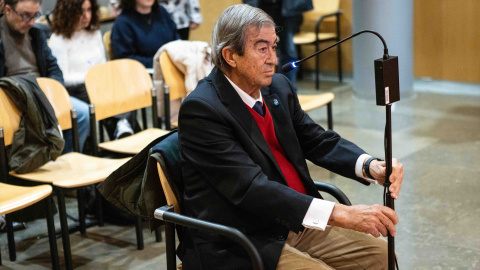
pixel 334 248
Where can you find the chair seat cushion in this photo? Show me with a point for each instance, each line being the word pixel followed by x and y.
pixel 304 38
pixel 134 143
pixel 74 170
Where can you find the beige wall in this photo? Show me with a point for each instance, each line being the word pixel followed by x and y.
pixel 446 38
pixel 211 10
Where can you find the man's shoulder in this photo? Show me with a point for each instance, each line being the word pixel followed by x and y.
pixel 205 88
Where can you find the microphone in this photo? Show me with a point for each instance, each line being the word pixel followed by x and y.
pixel 293 65
pixel 290 66
pixel 386 71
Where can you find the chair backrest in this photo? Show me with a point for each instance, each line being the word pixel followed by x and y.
pixel 173 77
pixel 118 86
pixel 9 117
pixel 170 170
pixel 60 100
pixel 320 7
pixel 107 43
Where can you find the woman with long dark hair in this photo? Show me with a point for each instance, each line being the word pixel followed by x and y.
pixel 76 42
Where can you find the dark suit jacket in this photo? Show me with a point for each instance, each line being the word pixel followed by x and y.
pixel 232 178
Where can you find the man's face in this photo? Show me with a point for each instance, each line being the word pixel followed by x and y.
pixel 22 17
pixel 255 68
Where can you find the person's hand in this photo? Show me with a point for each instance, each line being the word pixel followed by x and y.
pixel 193 25
pixel 370 219
pixel 378 170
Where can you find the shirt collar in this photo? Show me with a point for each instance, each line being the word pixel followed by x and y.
pixel 250 101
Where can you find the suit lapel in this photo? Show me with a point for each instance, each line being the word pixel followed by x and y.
pixel 240 112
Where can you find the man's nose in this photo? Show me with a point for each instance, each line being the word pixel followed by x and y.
pixel 31 22
pixel 272 57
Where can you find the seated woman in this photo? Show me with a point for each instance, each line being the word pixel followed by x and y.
pixel 141 29
pixel 77 44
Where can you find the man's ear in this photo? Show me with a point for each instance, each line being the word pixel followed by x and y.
pixel 229 57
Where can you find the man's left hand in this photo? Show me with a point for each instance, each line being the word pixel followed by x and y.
pixel 378 171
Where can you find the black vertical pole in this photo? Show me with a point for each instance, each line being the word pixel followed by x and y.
pixel 93 130
pixel 166 102
pixel 62 211
pixel 389 200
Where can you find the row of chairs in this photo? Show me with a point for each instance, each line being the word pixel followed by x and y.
pixel 114 87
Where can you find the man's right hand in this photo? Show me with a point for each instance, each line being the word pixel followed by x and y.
pixel 372 219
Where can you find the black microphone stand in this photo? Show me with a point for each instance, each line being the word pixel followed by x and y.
pixel 382 99
pixel 389 201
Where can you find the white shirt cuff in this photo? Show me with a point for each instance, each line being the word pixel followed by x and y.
pixel 318 214
pixel 359 168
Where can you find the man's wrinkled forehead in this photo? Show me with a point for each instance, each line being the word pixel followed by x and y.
pixel 256 34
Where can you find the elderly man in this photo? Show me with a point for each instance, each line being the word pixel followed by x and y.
pixel 244 139
pixel 24 51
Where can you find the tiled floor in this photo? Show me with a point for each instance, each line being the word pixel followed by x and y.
pixel 436 136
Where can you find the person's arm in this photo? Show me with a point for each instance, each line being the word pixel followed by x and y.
pixel 211 143
pixel 329 150
pixel 53 70
pixel 325 148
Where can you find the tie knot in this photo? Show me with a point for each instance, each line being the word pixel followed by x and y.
pixel 258 108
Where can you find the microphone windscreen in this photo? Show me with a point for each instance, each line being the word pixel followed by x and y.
pixel 288 67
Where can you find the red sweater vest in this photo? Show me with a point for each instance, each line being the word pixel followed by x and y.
pixel 289 172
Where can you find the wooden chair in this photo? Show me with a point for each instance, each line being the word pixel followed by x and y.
pixel 69 171
pixel 107 44
pixel 116 87
pixel 311 34
pixel 14 198
pixel 174 81
pixel 170 176
pixel 310 102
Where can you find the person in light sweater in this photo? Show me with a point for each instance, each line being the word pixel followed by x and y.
pixel 77 44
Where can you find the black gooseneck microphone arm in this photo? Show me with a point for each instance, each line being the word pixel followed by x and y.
pixel 293 65
pixel 388 200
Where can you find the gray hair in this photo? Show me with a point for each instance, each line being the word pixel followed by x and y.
pixel 230 30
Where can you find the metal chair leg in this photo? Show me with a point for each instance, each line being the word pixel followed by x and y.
pixel 99 208
pixel 62 211
pixel 52 239
pixel 158 235
pixel 329 116
pixel 317 69
pixel 11 239
pixel 139 232
pixel 81 210
pixel 170 245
